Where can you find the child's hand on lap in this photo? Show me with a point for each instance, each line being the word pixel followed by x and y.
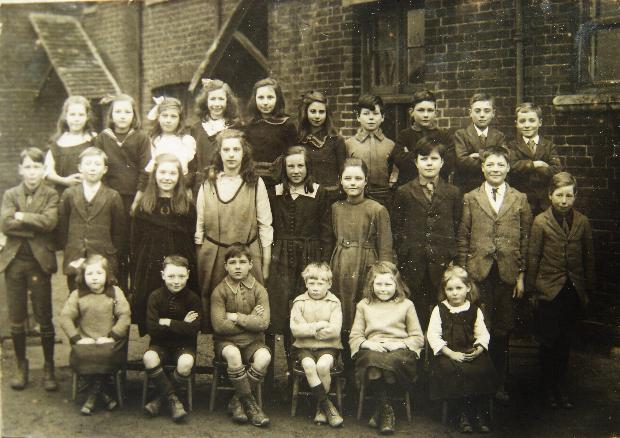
pixel 104 340
pixel 191 316
pixel 86 341
pixel 374 346
pixel 395 345
pixel 474 354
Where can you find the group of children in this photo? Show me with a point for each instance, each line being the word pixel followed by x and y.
pixel 264 229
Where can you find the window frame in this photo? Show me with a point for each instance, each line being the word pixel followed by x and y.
pixel 589 27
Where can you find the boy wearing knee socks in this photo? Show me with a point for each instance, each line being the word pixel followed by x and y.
pixel 240 315
pixel 316 322
pixel 173 320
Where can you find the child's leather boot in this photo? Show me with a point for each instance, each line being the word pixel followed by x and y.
pixel 177 411
pixel 20 378
pixel 153 407
pixel 49 379
pixel 255 414
pixel 235 409
pixel 333 416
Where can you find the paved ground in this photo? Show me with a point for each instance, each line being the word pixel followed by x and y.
pixel 594 377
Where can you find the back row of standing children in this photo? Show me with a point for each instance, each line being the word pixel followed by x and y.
pixel 270 204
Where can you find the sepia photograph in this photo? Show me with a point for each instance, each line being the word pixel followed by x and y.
pixel 304 218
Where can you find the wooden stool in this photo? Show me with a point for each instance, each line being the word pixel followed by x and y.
pixel 222 383
pixel 189 388
pixel 362 396
pixel 299 374
pixel 119 378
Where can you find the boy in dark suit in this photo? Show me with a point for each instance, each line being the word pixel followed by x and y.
pixel 492 246
pixel 560 275
pixel 425 221
pixel 91 218
pixel 423 113
pixel 469 142
pixel 534 158
pixel 29 215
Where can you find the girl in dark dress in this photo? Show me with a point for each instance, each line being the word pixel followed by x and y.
pixel 460 366
pixel 270 130
pixel 74 133
pixel 318 135
pixel 164 224
pixel 217 108
pixel 302 234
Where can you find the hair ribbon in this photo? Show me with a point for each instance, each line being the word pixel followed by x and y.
pixel 154 112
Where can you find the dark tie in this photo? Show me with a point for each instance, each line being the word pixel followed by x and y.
pixel 494 191
pixel 565 226
pixel 483 140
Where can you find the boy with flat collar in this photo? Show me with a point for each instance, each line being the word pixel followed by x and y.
pixel 492 246
pixel 534 159
pixel 425 222
pixel 469 142
pixel 316 322
pixel 29 215
pixel 240 315
pixel 173 321
pixel 372 146
pixel 423 113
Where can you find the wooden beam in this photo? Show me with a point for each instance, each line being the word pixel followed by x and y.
pixel 252 50
pixel 220 43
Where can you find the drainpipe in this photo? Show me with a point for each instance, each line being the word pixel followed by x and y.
pixel 518 39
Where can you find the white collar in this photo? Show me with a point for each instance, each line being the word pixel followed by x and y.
pixel 500 190
pixel 484 132
pixel 536 139
pixel 462 308
pixel 90 191
pixel 296 191
pixel 212 127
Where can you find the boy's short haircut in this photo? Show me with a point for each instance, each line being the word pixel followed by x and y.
pixel 426 145
pixel 482 97
pixel 527 107
pixel 237 249
pixel 369 102
pixel 423 96
pixel 562 179
pixel 175 260
pixel 35 154
pixel 495 150
pixel 317 271
pixel 93 151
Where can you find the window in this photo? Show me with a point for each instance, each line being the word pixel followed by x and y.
pixel 598 36
pixel 393 56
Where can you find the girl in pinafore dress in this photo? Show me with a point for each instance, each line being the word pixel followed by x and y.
pixel 270 130
pixel 461 369
pixel 163 224
pixel 302 234
pixel 74 133
pixel 386 340
pixel 362 236
pixel 216 106
pixel 318 135
pixel 232 206
pixel 96 318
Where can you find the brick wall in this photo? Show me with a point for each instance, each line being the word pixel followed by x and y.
pixel 31 95
pixel 312 45
pixel 114 28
